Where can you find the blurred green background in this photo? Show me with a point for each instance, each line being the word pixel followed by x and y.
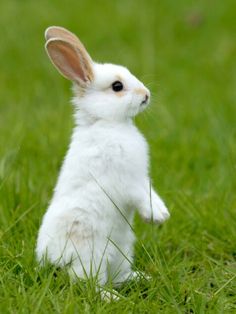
pixel 185 52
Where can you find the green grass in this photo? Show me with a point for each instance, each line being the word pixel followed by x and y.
pixel 185 51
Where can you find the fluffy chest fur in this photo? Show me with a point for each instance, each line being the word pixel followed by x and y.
pixel 113 156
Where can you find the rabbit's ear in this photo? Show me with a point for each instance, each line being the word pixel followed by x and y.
pixel 62 33
pixel 71 59
pixel 59 32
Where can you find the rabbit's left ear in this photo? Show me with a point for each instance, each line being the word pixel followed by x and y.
pixel 71 59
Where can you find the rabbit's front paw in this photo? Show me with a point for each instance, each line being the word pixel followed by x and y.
pixel 155 210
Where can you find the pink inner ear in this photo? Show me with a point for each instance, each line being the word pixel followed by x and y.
pixel 68 60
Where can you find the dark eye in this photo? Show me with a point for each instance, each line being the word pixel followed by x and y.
pixel 117 86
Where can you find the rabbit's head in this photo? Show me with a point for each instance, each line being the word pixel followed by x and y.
pixel 102 91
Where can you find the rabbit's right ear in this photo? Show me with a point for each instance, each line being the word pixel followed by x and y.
pixel 71 60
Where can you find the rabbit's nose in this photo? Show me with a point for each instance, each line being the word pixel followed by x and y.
pixel 146 98
pixel 145 101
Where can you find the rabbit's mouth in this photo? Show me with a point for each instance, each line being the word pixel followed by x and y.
pixel 143 104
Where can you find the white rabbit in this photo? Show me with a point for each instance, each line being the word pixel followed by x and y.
pixel 104 177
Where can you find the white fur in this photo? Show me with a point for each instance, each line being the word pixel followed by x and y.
pixel 103 180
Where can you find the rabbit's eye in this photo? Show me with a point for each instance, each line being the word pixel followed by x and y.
pixel 117 86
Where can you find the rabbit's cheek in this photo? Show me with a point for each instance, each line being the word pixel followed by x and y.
pixel 136 100
pixel 132 108
pixel 120 94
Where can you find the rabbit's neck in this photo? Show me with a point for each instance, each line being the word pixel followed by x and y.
pixel 84 119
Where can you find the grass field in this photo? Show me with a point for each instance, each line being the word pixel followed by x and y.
pixel 185 51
